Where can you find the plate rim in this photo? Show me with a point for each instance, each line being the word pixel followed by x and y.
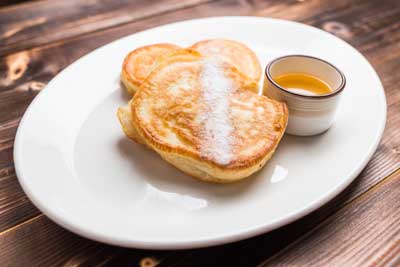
pixel 242 233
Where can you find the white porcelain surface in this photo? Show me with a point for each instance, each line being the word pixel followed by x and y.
pixel 309 114
pixel 75 164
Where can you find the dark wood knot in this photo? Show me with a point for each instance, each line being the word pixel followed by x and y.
pixel 16 65
pixel 148 262
pixel 32 87
pixel 36 86
pixel 337 28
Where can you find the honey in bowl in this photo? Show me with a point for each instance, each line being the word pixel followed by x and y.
pixel 303 83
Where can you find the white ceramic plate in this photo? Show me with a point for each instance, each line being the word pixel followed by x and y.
pixel 75 164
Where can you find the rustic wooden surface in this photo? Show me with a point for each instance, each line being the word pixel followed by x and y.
pixel 360 227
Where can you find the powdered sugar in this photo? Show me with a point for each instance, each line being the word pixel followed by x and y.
pixel 217 128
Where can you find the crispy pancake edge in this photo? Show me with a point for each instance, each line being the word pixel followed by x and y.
pixel 227 42
pixel 130 80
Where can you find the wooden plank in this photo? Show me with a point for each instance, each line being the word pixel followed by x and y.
pixel 129 258
pixel 364 233
pixel 48 21
pixel 15 207
pixel 4 3
pixel 19 92
pixel 24 245
pixel 6 157
pixel 39 242
pixel 301 10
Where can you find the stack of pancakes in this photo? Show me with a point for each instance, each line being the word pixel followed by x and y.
pixel 198 108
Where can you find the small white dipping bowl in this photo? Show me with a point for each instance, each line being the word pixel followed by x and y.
pixel 308 114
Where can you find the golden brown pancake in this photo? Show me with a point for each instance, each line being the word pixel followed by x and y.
pixel 199 115
pixel 139 63
pixel 124 115
pixel 239 55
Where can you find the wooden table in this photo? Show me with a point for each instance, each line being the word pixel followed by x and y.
pixel 360 227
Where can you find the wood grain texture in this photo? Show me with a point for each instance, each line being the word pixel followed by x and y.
pixel 364 233
pixel 22 246
pixel 14 205
pixel 41 23
pixel 13 3
pixel 369 25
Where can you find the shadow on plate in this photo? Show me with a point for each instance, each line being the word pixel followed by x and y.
pixel 160 174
